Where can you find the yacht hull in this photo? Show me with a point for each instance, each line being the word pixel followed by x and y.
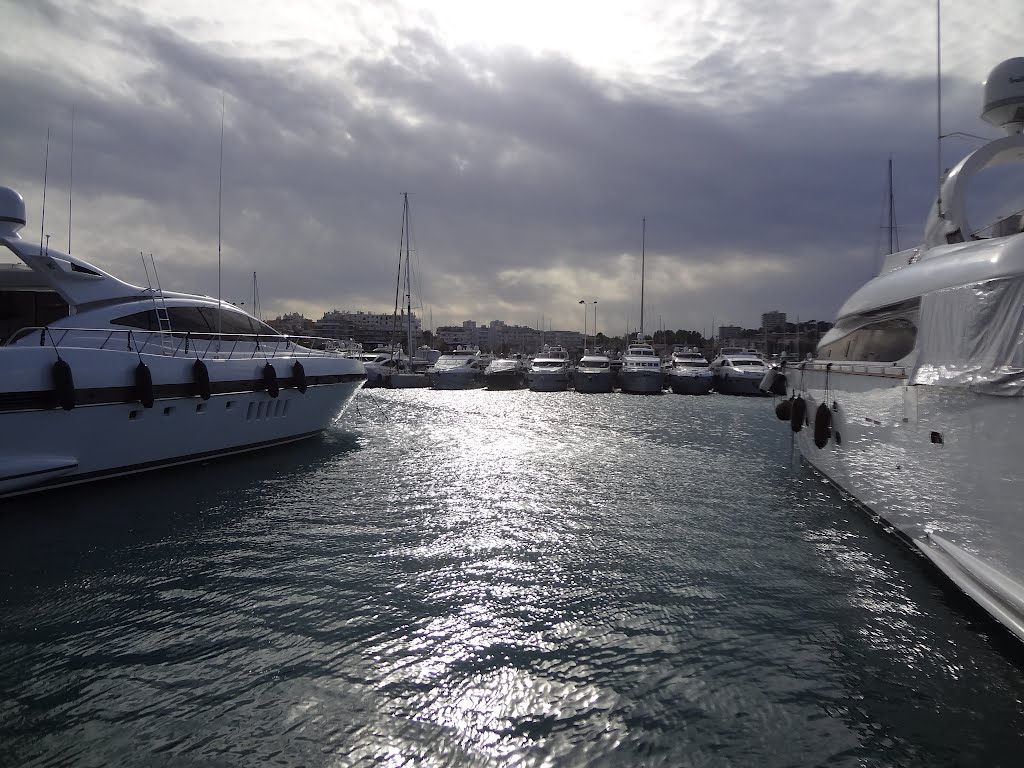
pixel 407 381
pixel 738 384
pixel 547 382
pixel 594 382
pixel 505 381
pixel 641 382
pixel 689 384
pixel 110 432
pixel 446 380
pixel 937 464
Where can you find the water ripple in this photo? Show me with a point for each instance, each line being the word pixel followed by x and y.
pixel 492 579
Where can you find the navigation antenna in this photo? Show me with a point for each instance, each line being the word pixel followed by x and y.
pixel 71 174
pixel 938 106
pixel 220 194
pixel 42 218
pixel 894 235
pixel 256 309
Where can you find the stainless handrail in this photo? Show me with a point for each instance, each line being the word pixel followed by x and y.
pixel 187 343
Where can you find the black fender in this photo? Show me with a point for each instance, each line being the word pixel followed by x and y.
pixel 784 409
pixel 798 410
pixel 64 384
pixel 270 380
pixel 201 379
pixel 822 425
pixel 299 377
pixel 144 385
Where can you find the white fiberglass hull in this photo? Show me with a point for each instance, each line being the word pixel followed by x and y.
pixel 939 464
pixel 690 383
pixel 547 381
pixel 406 381
pixel 594 382
pixel 457 379
pixel 642 381
pixel 734 383
pixel 505 380
pixel 109 432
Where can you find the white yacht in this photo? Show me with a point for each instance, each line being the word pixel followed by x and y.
pixel 689 372
pixel 128 379
pixel 381 363
pixel 550 371
pixel 641 371
pixel 913 403
pixel 506 373
pixel 461 368
pixel 738 373
pixel 594 373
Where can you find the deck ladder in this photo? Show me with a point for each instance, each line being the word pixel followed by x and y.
pixel 160 307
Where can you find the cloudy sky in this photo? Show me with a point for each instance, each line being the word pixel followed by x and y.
pixel 534 136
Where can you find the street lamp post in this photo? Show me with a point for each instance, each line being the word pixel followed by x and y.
pixel 584 303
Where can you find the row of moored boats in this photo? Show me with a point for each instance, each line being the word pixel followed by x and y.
pixel 639 371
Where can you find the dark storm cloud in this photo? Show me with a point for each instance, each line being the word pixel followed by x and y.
pixel 515 162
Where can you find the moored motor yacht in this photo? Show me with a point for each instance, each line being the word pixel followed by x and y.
pixel 461 368
pixel 912 403
pixel 505 373
pixel 689 372
pixel 641 371
pixel 550 371
pixel 132 379
pixel 594 373
pixel 381 363
pixel 738 373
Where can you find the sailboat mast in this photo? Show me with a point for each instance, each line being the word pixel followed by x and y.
pixel 408 281
pixel 398 278
pixel 643 254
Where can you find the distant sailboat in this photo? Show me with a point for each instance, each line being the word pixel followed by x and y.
pixel 402 373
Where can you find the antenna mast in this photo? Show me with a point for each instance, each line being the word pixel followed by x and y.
pixel 71 174
pixel 220 195
pixel 42 218
pixel 938 105
pixel 894 235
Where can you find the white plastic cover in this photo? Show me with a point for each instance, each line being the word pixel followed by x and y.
pixel 973 336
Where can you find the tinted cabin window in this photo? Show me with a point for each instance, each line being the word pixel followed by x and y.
pixel 188 320
pixel 144 321
pixel 882 341
pixel 28 309
pixel 199 320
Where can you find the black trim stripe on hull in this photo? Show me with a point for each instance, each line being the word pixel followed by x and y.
pixel 132 469
pixel 45 400
pixel 34 472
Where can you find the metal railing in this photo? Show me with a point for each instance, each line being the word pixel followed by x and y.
pixel 886 370
pixel 184 343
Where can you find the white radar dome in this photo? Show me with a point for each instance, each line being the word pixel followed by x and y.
pixel 12 211
pixel 1004 97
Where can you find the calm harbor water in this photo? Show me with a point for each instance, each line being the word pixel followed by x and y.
pixel 493 579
